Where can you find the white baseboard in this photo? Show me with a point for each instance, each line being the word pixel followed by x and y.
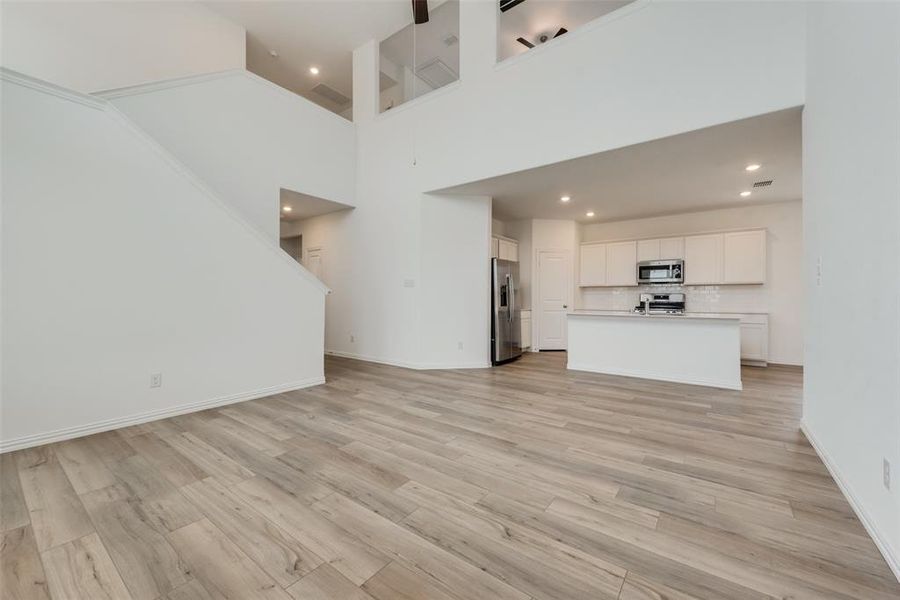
pixel 727 384
pixel 66 433
pixel 410 365
pixel 890 554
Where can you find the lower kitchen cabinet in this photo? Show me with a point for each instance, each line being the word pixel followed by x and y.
pixel 755 339
pixel 525 319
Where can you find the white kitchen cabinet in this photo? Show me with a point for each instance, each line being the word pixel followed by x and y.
pixel 504 249
pixel 755 339
pixel 671 248
pixel 744 257
pixel 703 259
pixel 661 249
pixel 525 320
pixel 647 250
pixel 593 265
pixel 621 264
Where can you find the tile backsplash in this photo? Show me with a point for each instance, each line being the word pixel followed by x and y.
pixel 698 298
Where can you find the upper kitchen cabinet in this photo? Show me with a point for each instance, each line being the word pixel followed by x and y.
pixel 509 250
pixel 504 248
pixel 621 264
pixel 744 257
pixel 593 265
pixel 703 259
pixel 671 248
pixel 665 248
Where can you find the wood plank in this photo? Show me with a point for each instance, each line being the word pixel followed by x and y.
pixel 415 552
pixel 148 564
pixel 172 465
pixel 209 459
pixel 283 558
pixel 326 583
pixel 13 511
pixel 83 466
pixel 21 571
pixel 396 582
pixel 56 513
pixel 220 565
pixel 81 569
pixel 349 555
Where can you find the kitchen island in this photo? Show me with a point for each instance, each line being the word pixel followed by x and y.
pixel 694 348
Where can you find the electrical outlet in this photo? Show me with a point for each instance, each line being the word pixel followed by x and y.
pixel 352 338
pixel 886 467
pixel 459 345
pixel 819 271
pixel 155 380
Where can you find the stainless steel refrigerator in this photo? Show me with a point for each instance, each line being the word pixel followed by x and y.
pixel 506 326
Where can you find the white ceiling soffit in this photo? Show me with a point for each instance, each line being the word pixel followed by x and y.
pixel 304 206
pixel 306 33
pixel 699 170
pixel 532 18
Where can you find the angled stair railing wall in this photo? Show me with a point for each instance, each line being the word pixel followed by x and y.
pixel 120 264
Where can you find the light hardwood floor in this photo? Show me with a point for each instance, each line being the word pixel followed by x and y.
pixel 525 481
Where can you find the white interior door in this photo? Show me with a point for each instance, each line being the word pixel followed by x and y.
pixel 314 262
pixel 555 290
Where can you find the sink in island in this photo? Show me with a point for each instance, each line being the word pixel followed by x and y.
pixel 693 348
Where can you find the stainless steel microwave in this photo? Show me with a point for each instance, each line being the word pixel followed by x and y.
pixel 661 271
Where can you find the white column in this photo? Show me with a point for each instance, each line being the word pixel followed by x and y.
pixel 365 82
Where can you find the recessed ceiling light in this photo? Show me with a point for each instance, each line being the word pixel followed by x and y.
pixel 745 194
pixel 589 213
pixel 564 199
pixel 314 70
pixel 751 167
pixel 286 208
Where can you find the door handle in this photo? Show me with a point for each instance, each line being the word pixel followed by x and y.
pixel 565 306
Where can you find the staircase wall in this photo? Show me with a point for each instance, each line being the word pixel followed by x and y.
pixel 246 137
pixel 118 263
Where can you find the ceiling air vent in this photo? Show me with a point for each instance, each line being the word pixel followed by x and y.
pixel 331 94
pixel 436 74
pixel 766 183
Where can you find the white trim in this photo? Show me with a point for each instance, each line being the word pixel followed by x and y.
pixel 66 433
pixel 158 86
pixel 409 365
pixel 727 384
pixel 163 84
pixel 52 89
pixel 890 554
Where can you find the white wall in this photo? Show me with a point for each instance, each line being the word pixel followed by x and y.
pixel 851 215
pixel 92 46
pixel 781 296
pixel 248 138
pixel 455 271
pixel 116 265
pixel 672 68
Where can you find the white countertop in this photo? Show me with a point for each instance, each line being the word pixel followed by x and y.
pixel 628 313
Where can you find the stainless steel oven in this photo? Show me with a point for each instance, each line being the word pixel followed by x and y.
pixel 661 271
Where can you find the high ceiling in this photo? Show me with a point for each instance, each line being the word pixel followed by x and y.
pixel 307 33
pixel 699 170
pixel 324 33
